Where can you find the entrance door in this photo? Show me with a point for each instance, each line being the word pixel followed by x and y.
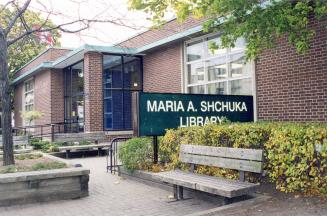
pixel 74 98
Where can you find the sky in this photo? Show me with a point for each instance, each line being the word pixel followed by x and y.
pixel 127 23
pixel 98 33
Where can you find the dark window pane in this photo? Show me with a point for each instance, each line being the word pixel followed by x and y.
pixel 117 108
pixel 107 105
pixel 128 110
pixel 132 73
pixel 112 66
pixel 108 121
pixel 118 87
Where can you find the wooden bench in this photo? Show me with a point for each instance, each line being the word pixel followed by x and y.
pixel 68 149
pixel 243 160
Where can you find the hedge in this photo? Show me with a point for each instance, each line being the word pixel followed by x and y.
pixel 295 154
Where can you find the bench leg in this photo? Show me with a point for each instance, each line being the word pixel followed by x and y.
pixel 99 152
pixel 227 201
pixel 180 192
pixel 67 153
pixel 175 192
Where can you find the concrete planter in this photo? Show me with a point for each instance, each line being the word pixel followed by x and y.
pixel 41 186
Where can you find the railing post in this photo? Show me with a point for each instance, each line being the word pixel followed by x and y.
pixel 25 131
pixel 155 149
pixel 52 132
pixel 41 132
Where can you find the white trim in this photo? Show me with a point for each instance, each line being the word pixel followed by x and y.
pixel 183 84
pixel 254 92
pixel 24 98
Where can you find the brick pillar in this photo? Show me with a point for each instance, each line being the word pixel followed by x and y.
pixel 93 89
pixel 57 96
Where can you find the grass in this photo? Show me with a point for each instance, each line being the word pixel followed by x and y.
pixel 28 156
pixel 31 162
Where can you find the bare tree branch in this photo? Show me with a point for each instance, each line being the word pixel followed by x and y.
pixel 19 13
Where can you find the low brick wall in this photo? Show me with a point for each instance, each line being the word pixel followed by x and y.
pixel 41 186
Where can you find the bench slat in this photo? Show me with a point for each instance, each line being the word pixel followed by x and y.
pixel 210 184
pixel 236 164
pixel 80 147
pixel 237 153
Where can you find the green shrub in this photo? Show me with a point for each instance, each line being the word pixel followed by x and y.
pixel 297 158
pixel 295 154
pixel 45 146
pixel 136 153
pixel 84 142
pixel 8 169
pixel 27 156
pixel 38 144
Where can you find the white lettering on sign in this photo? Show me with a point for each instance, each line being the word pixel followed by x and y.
pixel 221 106
pixel 205 106
pixel 190 107
pixel 198 120
pixel 165 106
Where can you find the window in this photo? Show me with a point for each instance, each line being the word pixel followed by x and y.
pixel 121 76
pixel 218 71
pixel 74 97
pixel 29 95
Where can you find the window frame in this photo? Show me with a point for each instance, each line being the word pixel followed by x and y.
pixel 122 89
pixel 29 92
pixel 229 53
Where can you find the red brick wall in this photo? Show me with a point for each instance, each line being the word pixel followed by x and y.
pixel 57 96
pixel 93 92
pixel 293 87
pixel 49 55
pixel 162 69
pixel 48 97
pixel 152 35
pixel 18 104
pixel 42 96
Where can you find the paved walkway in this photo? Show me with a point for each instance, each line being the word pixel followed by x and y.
pixel 111 195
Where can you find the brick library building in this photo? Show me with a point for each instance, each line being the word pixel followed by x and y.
pixel 89 89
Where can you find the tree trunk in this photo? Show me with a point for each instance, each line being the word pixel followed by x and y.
pixel 7 141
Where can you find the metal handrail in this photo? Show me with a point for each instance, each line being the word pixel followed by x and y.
pixel 112 155
pixel 45 130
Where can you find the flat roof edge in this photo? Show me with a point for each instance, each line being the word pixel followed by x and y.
pixel 40 54
pixel 43 65
pixel 170 39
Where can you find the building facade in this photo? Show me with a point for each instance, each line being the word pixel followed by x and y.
pixel 90 88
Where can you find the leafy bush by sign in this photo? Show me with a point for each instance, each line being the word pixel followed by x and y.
pixel 297 158
pixel 136 153
pixel 295 153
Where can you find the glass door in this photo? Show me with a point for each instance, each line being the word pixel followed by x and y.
pixel 74 98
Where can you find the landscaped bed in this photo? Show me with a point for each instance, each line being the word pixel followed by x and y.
pixel 31 162
pixel 40 177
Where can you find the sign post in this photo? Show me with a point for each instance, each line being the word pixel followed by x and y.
pixel 154 113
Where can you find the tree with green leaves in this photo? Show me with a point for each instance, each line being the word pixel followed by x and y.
pixel 259 22
pixel 26 49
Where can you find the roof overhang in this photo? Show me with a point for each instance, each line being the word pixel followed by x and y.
pixel 72 57
pixel 78 54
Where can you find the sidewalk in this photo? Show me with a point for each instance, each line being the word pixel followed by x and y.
pixel 111 195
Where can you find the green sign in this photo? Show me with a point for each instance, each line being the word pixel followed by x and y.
pixel 153 113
